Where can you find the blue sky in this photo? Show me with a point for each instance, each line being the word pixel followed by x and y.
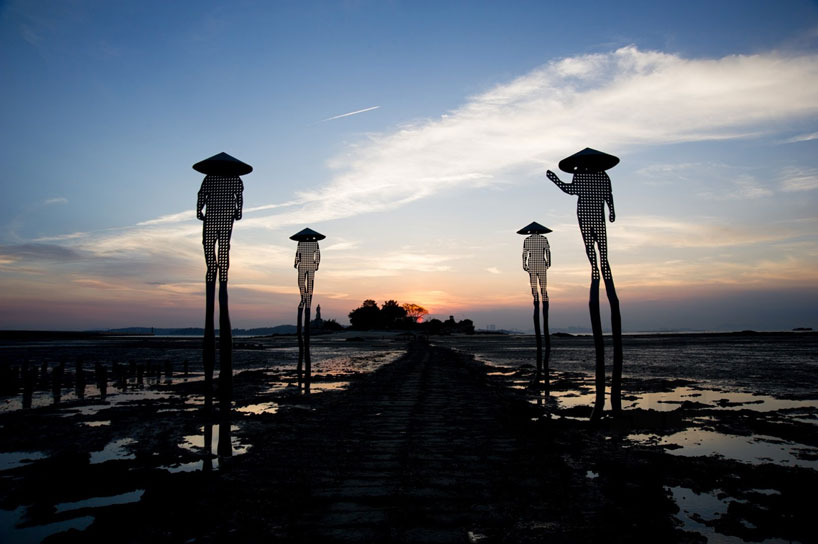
pixel 712 107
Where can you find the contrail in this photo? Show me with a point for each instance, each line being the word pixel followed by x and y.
pixel 350 113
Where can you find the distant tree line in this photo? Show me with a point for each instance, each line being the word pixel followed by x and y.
pixel 393 316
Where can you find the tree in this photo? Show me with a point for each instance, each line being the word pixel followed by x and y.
pixel 414 311
pixel 365 317
pixel 392 314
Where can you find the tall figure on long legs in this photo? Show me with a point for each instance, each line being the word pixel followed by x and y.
pixel 218 205
pixel 592 186
pixel 307 259
pixel 536 261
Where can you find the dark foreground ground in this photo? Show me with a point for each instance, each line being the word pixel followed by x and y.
pixel 430 448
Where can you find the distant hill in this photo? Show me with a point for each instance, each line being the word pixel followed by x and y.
pixel 197 331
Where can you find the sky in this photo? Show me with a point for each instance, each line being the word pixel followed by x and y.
pixel 416 136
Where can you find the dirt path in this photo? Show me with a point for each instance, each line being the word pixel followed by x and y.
pixel 426 449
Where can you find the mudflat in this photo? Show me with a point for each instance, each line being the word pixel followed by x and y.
pixel 431 446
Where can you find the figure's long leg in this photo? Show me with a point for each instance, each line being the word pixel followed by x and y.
pixel 307 362
pixel 547 335
pixel 602 241
pixel 589 237
pixel 616 333
pixel 225 371
pixel 300 343
pixel 224 254
pixel 532 276
pixel 538 374
pixel 209 244
pixel 209 348
pixel 596 327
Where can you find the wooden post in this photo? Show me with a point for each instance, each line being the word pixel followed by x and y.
pixel 616 331
pixel 209 349
pixel 599 346
pixel 538 374
pixel 225 371
pixel 299 332
pixel 547 335
pixel 307 362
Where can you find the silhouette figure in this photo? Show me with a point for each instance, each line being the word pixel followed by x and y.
pixel 307 259
pixel 220 196
pixel 536 261
pixel 592 186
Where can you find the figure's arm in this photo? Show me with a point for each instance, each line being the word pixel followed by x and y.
pixel 566 187
pixel 239 201
pixel 525 259
pixel 317 256
pixel 297 257
pixel 609 200
pixel 200 203
pixel 547 256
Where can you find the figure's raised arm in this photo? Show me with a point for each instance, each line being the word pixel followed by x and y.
pixel 565 187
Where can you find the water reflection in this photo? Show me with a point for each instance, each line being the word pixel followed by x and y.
pixel 115 450
pixel 748 449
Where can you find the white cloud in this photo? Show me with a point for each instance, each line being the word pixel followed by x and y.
pixel 58 200
pixel 493 270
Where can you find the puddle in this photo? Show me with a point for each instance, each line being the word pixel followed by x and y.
pixel 97 423
pixel 114 451
pixel 321 387
pixel 725 400
pixel 96 502
pixel 9 532
pixel 261 408
pixel 15 459
pixel 695 508
pixel 754 450
pixel 196 443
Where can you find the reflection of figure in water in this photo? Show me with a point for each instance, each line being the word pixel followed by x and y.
pixel 222 198
pixel 219 204
pixel 594 191
pixel 592 186
pixel 536 261
pixel 307 259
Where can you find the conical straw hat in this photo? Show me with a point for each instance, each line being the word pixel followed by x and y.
pixel 534 228
pixel 588 159
pixel 307 235
pixel 223 165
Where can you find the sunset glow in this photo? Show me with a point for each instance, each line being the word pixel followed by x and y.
pixel 419 163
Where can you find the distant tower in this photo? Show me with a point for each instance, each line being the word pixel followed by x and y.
pixel 318 313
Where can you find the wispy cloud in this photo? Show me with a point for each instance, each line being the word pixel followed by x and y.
pixel 349 114
pixel 58 200
pixel 798 179
pixel 801 138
